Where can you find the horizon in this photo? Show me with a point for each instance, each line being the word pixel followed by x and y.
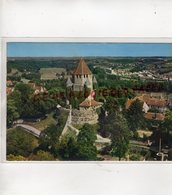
pixel 89 57
pixel 76 50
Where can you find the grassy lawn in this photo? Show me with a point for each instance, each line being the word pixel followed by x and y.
pixel 41 125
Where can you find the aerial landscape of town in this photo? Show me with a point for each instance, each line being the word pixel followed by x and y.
pixel 89 108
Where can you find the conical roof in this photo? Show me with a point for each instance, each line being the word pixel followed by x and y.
pixel 82 68
pixel 94 80
pixel 89 103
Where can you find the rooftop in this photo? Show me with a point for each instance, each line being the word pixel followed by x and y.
pixel 82 68
pixel 89 103
pixel 154 116
pixel 150 101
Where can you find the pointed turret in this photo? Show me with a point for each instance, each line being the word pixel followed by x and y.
pixel 82 76
pixel 82 68
pixel 69 82
pixel 94 80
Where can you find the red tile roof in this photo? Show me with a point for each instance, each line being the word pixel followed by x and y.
pixel 89 103
pixel 148 100
pixel 154 101
pixel 130 101
pixel 82 69
pixel 154 116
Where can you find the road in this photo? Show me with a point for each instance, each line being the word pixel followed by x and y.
pixel 30 129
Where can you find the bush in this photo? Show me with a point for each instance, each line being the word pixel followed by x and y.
pixel 20 142
pixel 170 154
pixel 135 157
pixel 42 156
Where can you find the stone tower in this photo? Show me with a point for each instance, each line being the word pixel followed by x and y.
pixel 82 76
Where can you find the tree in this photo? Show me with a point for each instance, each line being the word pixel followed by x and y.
pixel 12 157
pixel 120 147
pixel 49 138
pixel 68 148
pixel 117 126
pixel 170 154
pixel 135 116
pixel 165 129
pixel 42 156
pixel 12 112
pixel 102 117
pixel 20 142
pixel 86 143
pixel 24 92
pixel 112 105
pixel 16 97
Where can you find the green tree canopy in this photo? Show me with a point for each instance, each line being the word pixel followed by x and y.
pixel 42 156
pixel 12 112
pixel 20 142
pixel 116 125
pixel 86 143
pixel 135 116
pixel 49 138
pixel 68 148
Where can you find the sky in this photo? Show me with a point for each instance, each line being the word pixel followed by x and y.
pixel 23 49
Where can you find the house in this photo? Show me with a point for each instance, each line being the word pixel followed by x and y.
pixel 129 102
pixel 149 103
pixel 155 103
pixel 37 88
pixel 154 116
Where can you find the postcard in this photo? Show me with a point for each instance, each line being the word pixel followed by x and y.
pixel 88 101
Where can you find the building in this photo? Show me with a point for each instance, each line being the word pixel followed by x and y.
pixel 37 88
pixel 82 76
pixel 149 103
pixel 87 112
pixel 145 107
pixel 159 104
pixel 154 116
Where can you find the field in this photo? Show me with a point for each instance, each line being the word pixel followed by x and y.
pixel 51 73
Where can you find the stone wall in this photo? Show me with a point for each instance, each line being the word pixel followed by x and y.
pixel 82 116
pixel 79 82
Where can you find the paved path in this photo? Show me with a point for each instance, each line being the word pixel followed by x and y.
pixel 30 129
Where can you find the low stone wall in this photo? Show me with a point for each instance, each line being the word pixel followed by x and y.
pixel 83 116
